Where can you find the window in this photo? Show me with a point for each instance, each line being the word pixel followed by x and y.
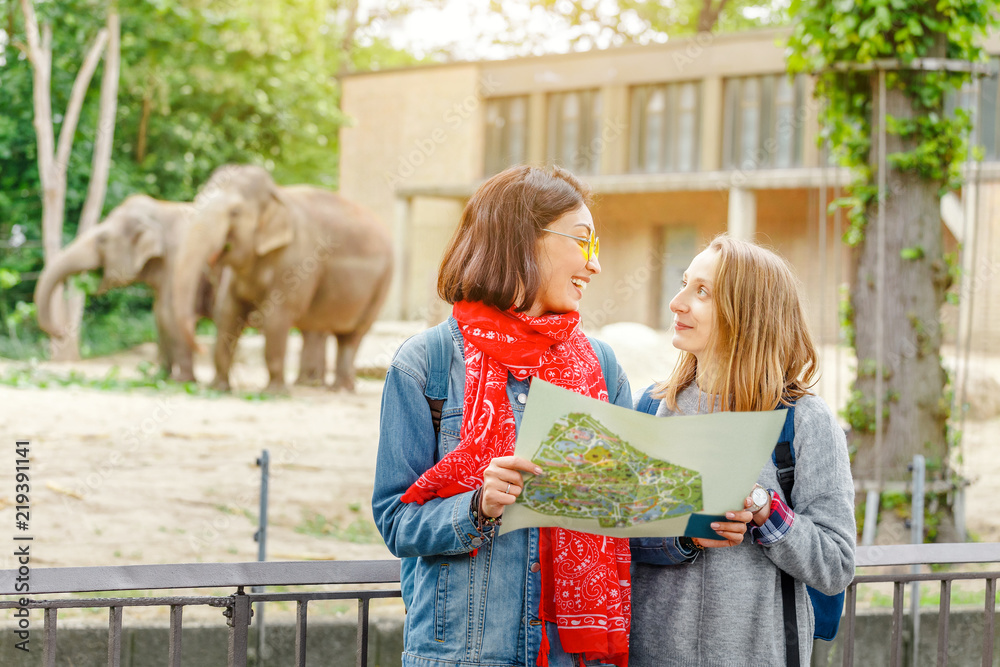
pixel 763 122
pixel 574 130
pixel 665 127
pixel 506 133
pixel 987 130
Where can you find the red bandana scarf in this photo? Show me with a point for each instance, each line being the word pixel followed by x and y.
pixel 586 588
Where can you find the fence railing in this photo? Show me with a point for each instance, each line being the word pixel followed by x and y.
pixel 237 607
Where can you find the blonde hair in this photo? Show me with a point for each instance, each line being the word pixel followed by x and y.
pixel 761 350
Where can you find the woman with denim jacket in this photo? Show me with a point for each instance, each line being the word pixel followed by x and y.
pixel 515 272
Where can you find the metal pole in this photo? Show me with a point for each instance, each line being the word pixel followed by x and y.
pixel 916 537
pixel 880 277
pixel 871 506
pixel 264 462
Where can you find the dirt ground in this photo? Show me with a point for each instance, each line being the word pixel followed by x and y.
pixel 164 477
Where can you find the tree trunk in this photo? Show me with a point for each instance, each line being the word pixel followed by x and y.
pixel 53 162
pixel 914 410
pixel 101 166
pixel 147 110
pixel 708 16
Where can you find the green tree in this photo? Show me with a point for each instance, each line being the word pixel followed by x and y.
pixel 202 83
pixel 595 22
pixel 925 147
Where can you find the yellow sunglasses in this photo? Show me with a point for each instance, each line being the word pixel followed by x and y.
pixel 590 247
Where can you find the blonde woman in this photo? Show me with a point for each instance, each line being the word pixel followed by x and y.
pixel 739 323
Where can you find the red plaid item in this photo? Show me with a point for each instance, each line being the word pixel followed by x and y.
pixel 586 588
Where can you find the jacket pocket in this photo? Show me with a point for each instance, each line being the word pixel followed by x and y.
pixel 441 603
pixel 451 430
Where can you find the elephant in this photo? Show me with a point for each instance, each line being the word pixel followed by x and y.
pixel 137 242
pixel 299 256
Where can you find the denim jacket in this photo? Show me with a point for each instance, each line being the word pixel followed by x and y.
pixel 462 610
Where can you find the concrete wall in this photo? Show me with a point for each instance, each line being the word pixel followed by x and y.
pixel 328 644
pixel 411 128
pixel 333 644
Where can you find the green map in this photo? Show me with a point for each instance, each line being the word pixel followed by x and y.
pixel 591 473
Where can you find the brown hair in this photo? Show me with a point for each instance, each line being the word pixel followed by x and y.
pixel 761 349
pixel 491 258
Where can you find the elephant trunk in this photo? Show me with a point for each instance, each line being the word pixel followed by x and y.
pixel 199 248
pixel 80 255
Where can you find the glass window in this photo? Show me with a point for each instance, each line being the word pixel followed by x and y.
pixel 574 130
pixel 761 126
pixel 987 127
pixel 506 132
pixel 664 128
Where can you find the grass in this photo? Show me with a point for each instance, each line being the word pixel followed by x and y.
pixel 30 375
pixel 359 531
pixel 880 596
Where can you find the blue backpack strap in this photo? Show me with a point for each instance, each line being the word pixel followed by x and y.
pixel 647 403
pixel 827 609
pixel 609 362
pixel 783 455
pixel 439 350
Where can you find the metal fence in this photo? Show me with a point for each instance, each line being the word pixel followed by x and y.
pixel 237 607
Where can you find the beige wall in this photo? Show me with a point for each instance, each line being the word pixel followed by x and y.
pixel 411 128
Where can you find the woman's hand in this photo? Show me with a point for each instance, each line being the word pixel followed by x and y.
pixel 731 531
pixel 502 483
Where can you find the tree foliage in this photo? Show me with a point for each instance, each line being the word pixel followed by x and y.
pixel 596 23
pixel 849 31
pixel 927 142
pixel 203 83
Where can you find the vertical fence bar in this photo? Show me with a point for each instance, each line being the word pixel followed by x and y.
pixel 174 655
pixel 896 653
pixel 363 632
pixel 852 612
pixel 49 647
pixel 300 633
pixel 115 637
pixel 944 617
pixel 239 628
pixel 919 468
pixel 264 461
pixel 989 621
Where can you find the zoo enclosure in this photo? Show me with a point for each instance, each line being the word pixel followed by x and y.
pixel 237 608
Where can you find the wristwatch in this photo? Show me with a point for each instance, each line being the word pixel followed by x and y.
pixel 760 498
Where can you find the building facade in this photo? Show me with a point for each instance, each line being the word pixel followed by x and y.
pixel 679 141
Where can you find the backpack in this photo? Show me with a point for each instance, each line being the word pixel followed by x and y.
pixel 827 609
pixel 439 348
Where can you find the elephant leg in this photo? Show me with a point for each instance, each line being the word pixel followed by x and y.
pixel 184 362
pixel 347 349
pixel 312 366
pixel 176 356
pixel 230 319
pixel 275 332
pixel 164 339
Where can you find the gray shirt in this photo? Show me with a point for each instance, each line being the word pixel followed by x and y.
pixel 724 607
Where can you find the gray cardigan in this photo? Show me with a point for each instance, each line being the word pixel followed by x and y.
pixel 724 606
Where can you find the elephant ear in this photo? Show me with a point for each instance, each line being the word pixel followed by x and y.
pixel 274 229
pixel 148 244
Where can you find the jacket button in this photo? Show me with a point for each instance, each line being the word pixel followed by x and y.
pixel 477 542
pixel 535 567
pixel 522 398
